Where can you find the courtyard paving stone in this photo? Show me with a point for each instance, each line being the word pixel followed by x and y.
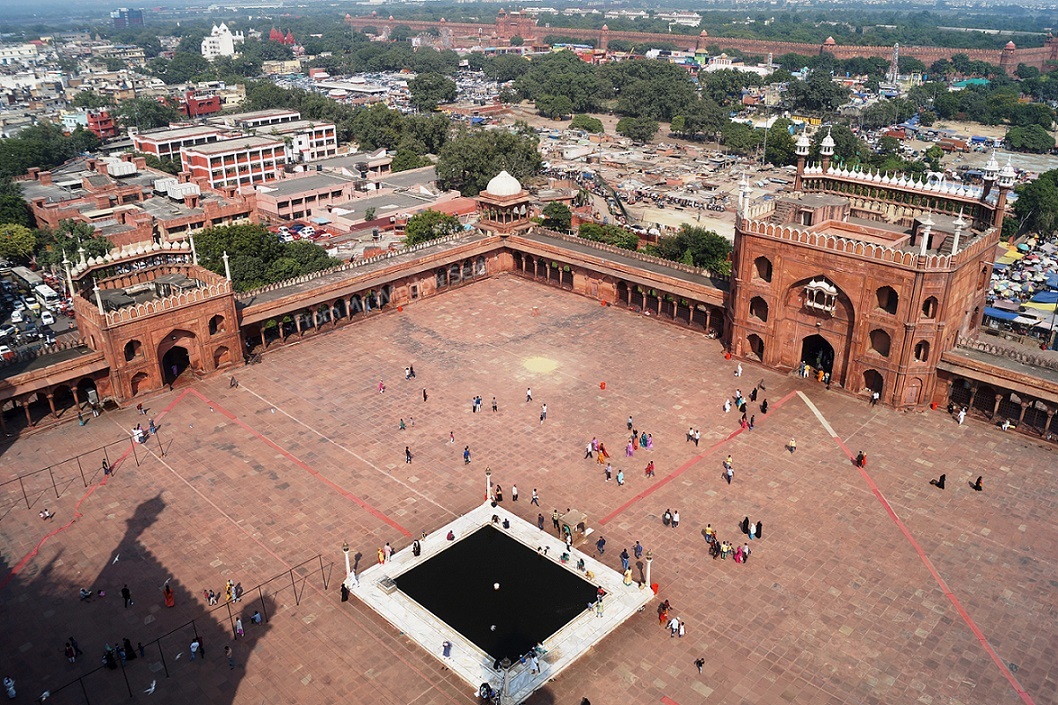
pixel 834 606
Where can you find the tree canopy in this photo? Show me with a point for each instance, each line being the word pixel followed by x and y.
pixel 146 113
pixel 430 225
pixel 17 243
pixel 45 146
pixel 609 234
pixel 469 160
pixel 428 90
pixel 698 247
pixel 257 257
pixel 1037 204
pixel 586 123
pixel 1030 139
pixel 557 216
pixel 640 129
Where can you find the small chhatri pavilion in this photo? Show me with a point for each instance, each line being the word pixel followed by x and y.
pixel 503 207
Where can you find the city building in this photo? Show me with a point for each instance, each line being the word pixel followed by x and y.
pixel 237 162
pixel 221 42
pixel 102 124
pixel 864 278
pixel 299 196
pixel 124 18
pixel 128 203
pixel 199 102
pixel 166 144
pixel 20 55
pixel 256 119
pixel 307 140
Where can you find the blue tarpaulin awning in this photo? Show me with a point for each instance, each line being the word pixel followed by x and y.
pixel 999 314
pixel 1045 297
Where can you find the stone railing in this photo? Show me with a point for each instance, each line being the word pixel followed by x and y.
pixel 349 266
pixel 41 351
pixel 844 245
pixel 633 254
pixel 897 180
pixel 1011 353
pixel 154 306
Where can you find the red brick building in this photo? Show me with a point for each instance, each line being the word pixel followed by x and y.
pixel 239 162
pixel 862 277
pixel 102 124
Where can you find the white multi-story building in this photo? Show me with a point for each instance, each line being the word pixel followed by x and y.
pixel 687 19
pixel 20 55
pixel 221 42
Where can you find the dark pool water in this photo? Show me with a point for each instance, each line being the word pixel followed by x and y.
pixel 536 596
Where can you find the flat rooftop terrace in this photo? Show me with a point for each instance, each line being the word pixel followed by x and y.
pixel 840 602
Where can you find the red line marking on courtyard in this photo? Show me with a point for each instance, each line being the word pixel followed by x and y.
pixel 294 459
pixel 668 701
pixel 1025 697
pixel 685 467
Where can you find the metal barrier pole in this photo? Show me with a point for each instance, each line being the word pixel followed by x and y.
pixel 24 495
pixel 165 666
pixel 323 572
pixel 297 600
pixel 81 470
pixel 53 485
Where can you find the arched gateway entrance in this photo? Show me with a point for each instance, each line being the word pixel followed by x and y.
pixel 817 353
pixel 175 355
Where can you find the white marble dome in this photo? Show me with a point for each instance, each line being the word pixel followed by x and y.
pixel 503 184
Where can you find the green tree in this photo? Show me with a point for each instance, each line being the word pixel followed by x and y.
pixel 430 225
pixel 848 148
pixel 557 216
pixel 369 214
pixel 13 208
pixel 17 243
pixel 610 234
pixel 256 256
pixel 505 67
pixel 818 94
pixel 183 67
pixel 740 138
pixel 44 146
pixel 430 89
pixel 703 247
pixel 469 160
pixel 554 106
pixel 780 144
pixel 1030 139
pixel 1037 205
pixel 586 123
pixel 91 100
pixel 516 41
pixel 146 113
pixel 407 158
pixel 639 130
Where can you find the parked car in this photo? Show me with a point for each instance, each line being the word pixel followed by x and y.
pixel 8 331
pixel 32 304
pixel 6 353
pixel 308 231
pixel 16 315
pixel 20 305
pixel 47 318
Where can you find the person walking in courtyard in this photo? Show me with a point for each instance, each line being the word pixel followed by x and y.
pixel 962 415
pixel 609 471
pixel 629 422
pixel 751 530
pixel 588 451
pixel 729 474
pixel 514 493
pixel 543 413
pixel 649 471
pixel 738 370
pixel 637 550
pixel 620 477
pixel 466 455
pixel 697 437
pixel 554 518
pixel 230 656
pixel 624 559
pixel 536 498
pixel 407 455
pixel 792 446
pixel 126 594
pixel 528 394
pixel 760 529
pixel 675 518
pixel 424 393
pixel 540 521
pixel 381 387
pixel 495 407
pixel 600 545
pixel 764 407
pixel 690 434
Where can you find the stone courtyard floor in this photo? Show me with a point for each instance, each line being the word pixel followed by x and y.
pixel 866 587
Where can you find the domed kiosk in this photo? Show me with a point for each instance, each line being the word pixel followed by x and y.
pixel 503 207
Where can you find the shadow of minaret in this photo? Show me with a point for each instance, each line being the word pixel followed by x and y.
pixel 41 610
